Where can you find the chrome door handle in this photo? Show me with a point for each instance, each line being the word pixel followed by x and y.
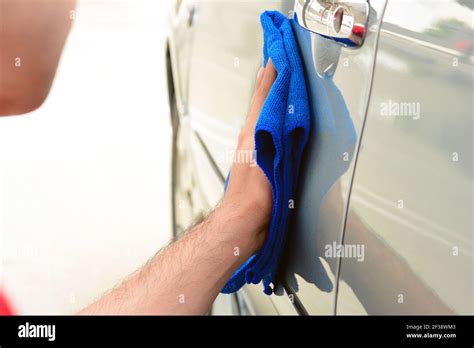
pixel 342 21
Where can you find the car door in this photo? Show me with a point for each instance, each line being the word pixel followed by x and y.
pixel 411 199
pixel 339 80
pixel 226 54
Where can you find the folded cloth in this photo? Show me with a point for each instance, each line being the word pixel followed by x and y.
pixel 281 134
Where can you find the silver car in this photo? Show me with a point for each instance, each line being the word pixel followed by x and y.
pixel 383 218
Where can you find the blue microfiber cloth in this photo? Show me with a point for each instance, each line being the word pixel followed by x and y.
pixel 281 134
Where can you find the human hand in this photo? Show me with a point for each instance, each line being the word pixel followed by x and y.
pixel 248 192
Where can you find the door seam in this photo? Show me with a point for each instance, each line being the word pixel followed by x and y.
pixel 346 212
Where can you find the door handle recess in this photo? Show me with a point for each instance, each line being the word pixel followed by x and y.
pixel 342 21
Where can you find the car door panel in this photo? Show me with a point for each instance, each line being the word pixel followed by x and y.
pixel 339 82
pixel 411 200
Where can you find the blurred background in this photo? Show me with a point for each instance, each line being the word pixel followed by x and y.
pixel 85 179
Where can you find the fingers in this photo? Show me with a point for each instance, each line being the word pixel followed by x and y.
pixel 260 74
pixel 267 78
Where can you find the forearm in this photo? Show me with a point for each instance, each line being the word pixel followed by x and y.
pixel 186 277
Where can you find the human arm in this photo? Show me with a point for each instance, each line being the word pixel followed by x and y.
pixel 187 276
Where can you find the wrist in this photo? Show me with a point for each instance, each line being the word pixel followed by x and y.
pixel 242 226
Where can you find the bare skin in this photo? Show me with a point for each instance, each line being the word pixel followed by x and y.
pixel 186 277
pixel 32 37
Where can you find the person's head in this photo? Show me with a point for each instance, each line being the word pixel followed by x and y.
pixel 32 36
